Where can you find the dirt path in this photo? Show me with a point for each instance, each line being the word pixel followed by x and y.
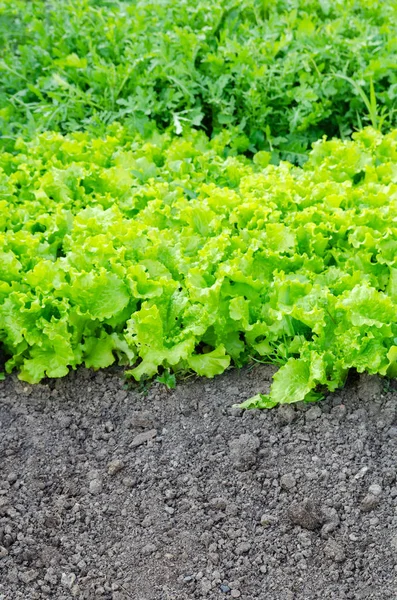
pixel 107 494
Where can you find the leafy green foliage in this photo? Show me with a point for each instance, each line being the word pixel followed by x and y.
pixel 279 74
pixel 168 254
pixel 168 379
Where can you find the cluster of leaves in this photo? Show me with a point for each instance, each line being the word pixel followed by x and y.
pixel 280 74
pixel 167 255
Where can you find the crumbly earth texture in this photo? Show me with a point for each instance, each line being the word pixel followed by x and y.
pixel 109 493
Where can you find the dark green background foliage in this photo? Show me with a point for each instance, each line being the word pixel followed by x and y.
pixel 269 69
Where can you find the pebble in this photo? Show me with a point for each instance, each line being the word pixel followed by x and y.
pixel 304 539
pixel 95 486
pixel 224 588
pixel 28 576
pixel 288 481
pixel 392 432
pixel 65 421
pixel 375 489
pixel 149 549
pixel 243 548
pixel 115 466
pixel 370 502
pixel 129 482
pixel 339 412
pixel 306 514
pixel 142 438
pixel 205 585
pixel 361 473
pixel 232 509
pixel 268 519
pixel 51 576
pixel 68 579
pixel 334 551
pixel 93 474
pixel 243 451
pixel 12 478
pixel 313 413
pixel 234 411
pixel 286 414
pixel 332 521
pixel 235 593
pixel 3 552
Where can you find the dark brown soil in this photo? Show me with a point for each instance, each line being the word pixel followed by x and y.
pixel 105 493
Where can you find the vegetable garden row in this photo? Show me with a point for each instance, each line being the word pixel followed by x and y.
pixel 164 203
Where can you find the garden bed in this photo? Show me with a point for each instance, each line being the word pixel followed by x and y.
pixel 109 493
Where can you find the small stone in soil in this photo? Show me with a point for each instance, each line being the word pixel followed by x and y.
pixel 313 413
pixel 306 514
pixel 332 521
pixel 68 579
pixel 141 438
pixel 339 412
pixel 149 549
pixel 224 588
pixel 95 486
pixel 334 551
pixel 243 451
pixel 392 432
pixel 360 474
pixel 28 576
pixel 375 489
pixel 267 520
pixel 286 414
pixel 205 585
pixel 288 481
pixel 129 482
pixel 370 502
pixel 243 548
pixel 115 466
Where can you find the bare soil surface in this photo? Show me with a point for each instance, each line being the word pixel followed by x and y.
pixel 106 493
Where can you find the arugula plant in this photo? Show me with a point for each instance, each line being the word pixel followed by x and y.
pixel 279 74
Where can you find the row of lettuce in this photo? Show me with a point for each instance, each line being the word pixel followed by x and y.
pixel 164 253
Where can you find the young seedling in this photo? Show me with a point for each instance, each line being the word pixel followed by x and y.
pixel 168 379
